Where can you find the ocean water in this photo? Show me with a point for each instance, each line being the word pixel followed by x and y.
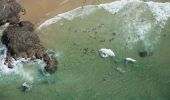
pixel 126 27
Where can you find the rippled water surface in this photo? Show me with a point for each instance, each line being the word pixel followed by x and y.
pixel 84 75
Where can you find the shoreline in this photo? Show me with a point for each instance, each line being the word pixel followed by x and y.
pixel 160 14
pixel 39 11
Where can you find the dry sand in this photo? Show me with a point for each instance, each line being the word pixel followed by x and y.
pixel 40 10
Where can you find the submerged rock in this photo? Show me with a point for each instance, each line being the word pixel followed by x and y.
pixel 145 54
pixel 26 87
pixel 120 69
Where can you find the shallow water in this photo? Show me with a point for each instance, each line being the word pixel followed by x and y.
pixel 84 75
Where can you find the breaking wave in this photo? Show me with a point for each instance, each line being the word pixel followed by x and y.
pixel 19 65
pixel 161 11
pixel 135 24
pixel 78 12
pixel 18 69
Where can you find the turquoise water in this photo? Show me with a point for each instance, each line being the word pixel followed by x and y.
pixel 84 75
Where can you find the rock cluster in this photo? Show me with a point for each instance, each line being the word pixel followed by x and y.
pixel 9 11
pixel 20 38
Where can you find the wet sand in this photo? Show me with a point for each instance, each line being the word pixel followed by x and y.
pixel 37 11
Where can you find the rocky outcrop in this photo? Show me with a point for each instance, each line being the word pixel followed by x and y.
pixel 9 11
pixel 20 38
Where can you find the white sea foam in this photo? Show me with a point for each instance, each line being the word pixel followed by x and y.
pixel 19 65
pixel 77 12
pixel 160 11
pixel 112 7
pixel 115 6
pixel 134 26
pixel 50 21
pixel 18 69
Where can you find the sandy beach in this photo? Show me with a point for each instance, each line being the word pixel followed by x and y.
pixel 37 11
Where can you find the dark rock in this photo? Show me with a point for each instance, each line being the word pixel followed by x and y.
pixel 9 11
pixel 19 37
pixel 102 40
pixel 75 31
pixel 21 41
pixel 10 66
pixel 26 26
pixel 164 35
pixel 113 33
pixel 51 67
pixel 145 54
pixel 110 40
pixel 74 44
pixel 92 51
pixel 85 50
